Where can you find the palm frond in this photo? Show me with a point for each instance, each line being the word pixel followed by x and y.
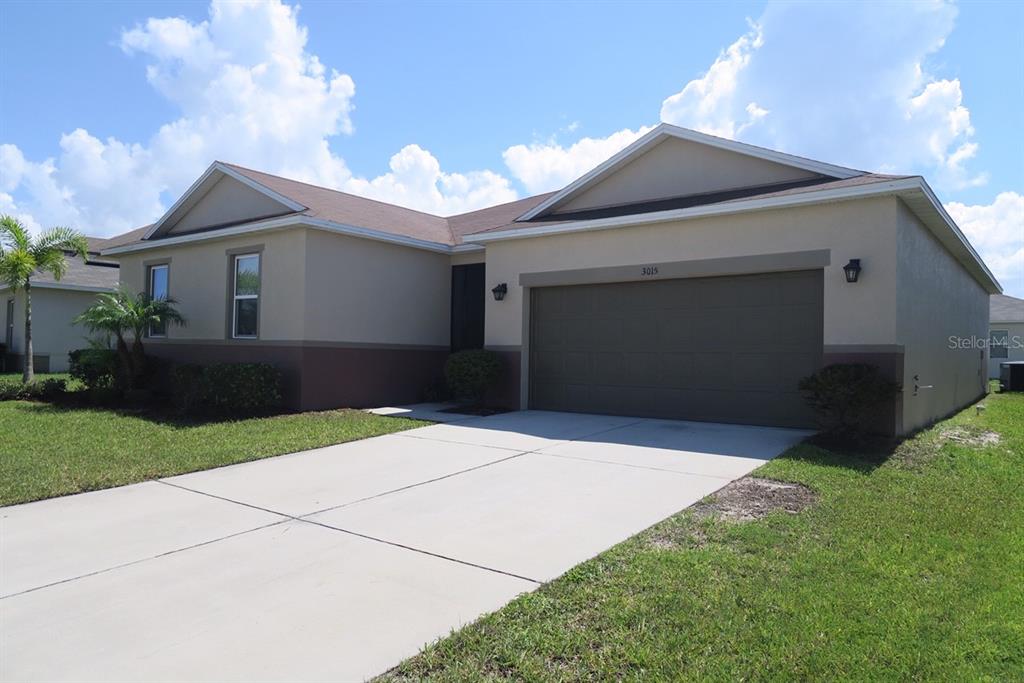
pixel 61 238
pixel 16 267
pixel 53 262
pixel 14 235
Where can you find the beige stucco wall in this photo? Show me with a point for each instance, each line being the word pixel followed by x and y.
pixel 466 258
pixel 198 279
pixel 53 334
pixel 937 299
pixel 228 201
pixel 1015 351
pixel 315 287
pixel 864 313
pixel 365 291
pixel 677 167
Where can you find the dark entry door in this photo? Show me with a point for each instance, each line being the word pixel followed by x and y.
pixel 468 306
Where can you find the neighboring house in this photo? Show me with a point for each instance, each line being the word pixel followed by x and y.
pixel 688 276
pixel 1006 331
pixel 54 305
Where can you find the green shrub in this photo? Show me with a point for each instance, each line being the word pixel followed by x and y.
pixel 226 388
pixel 848 396
pixel 11 389
pixel 95 368
pixel 471 373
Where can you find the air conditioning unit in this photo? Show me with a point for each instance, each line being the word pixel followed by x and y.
pixel 1011 376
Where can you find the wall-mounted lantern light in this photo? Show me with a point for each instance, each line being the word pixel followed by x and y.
pixel 852 270
pixel 500 291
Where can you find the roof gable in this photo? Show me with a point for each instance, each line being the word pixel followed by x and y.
pixel 1006 309
pixel 672 162
pixel 221 197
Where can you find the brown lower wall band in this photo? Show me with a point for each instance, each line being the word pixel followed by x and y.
pixel 506 394
pixel 317 378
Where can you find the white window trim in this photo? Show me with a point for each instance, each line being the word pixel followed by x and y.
pixel 152 270
pixel 236 297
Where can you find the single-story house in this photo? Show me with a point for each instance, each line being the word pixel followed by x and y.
pixel 55 304
pixel 689 276
pixel 1006 331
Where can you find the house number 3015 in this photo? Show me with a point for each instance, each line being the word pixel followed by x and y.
pixel 649 270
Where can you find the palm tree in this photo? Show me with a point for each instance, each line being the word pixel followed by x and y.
pixel 22 256
pixel 120 313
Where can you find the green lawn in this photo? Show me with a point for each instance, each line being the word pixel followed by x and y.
pixel 912 569
pixel 48 451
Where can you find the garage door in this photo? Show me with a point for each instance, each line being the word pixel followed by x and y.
pixel 723 349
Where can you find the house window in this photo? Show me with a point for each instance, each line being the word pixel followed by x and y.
pixel 157 286
pixel 246 296
pixel 999 344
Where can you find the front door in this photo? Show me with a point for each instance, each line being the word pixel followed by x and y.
pixel 467 321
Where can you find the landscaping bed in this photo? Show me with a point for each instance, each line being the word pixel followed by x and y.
pixel 901 564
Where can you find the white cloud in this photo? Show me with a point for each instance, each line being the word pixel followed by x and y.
pixel 249 92
pixel 416 180
pixel 545 166
pixel 997 231
pixel 843 82
pixel 708 103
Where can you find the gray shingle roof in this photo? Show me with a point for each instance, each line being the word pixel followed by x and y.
pixel 350 209
pixel 1005 309
pixel 83 274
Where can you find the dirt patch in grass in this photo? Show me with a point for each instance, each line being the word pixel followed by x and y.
pixel 970 436
pixel 752 498
pixel 918 451
pixel 744 500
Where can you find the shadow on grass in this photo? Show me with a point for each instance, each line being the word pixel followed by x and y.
pixel 824 452
pixel 163 415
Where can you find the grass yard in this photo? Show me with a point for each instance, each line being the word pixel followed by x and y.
pixel 47 450
pixel 912 569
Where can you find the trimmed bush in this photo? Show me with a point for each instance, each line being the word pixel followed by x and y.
pixel 226 389
pixel 848 396
pixel 95 368
pixel 471 373
pixel 40 390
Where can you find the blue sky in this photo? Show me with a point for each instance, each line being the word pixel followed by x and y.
pixel 111 109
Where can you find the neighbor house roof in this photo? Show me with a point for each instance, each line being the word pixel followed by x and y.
pixel 1005 309
pixel 332 210
pixel 95 274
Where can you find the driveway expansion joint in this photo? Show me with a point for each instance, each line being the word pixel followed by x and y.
pixel 144 559
pixel 639 467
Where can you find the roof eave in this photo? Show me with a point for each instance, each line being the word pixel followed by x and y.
pixel 903 186
pixel 294 221
pixel 224 169
pixel 666 130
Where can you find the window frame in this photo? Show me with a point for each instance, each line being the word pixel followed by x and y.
pixel 1004 347
pixel 235 297
pixel 151 268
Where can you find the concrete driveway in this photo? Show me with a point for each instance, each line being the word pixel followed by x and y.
pixel 337 563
